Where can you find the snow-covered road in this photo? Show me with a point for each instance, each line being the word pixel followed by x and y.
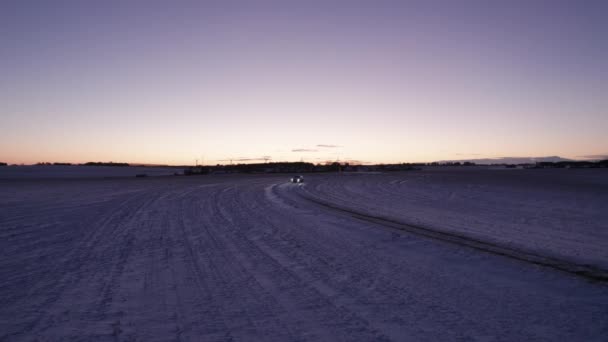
pixel 246 258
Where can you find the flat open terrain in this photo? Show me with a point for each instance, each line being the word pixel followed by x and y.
pixel 432 255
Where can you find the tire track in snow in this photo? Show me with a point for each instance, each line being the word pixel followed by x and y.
pixel 52 289
pixel 230 285
pixel 282 273
pixel 153 277
pixel 247 260
pixel 347 272
pixel 586 271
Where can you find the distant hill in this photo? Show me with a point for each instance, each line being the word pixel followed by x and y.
pixel 510 160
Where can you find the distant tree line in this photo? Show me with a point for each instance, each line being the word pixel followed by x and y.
pixel 276 167
pixel 86 164
pixel 56 164
pixel 105 164
pixel 3 164
pixel 293 167
pixel 303 167
pixel 572 164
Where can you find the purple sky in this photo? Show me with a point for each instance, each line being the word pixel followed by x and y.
pixel 375 81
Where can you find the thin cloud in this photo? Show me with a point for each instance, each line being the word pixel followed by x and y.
pixel 304 150
pixel 328 146
pixel 243 159
pixel 595 156
pixel 349 161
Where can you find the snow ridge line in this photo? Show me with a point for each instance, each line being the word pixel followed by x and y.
pixel 582 270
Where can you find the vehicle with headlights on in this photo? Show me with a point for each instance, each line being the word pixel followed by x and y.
pixel 297 179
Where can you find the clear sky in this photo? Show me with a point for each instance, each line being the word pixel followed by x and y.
pixel 374 81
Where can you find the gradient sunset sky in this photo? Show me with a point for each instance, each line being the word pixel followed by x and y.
pixel 375 81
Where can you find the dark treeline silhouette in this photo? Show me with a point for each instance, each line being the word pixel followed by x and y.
pixel 105 164
pixel 86 164
pixel 3 164
pixel 277 167
pixel 56 164
pixel 303 167
pixel 294 167
pixel 566 164
pixel 572 164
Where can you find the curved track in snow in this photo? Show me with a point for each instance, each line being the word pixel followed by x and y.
pixel 246 258
pixel 561 214
pixel 586 271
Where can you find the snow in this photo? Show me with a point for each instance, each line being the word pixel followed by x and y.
pixel 557 212
pixel 246 258
pixel 81 171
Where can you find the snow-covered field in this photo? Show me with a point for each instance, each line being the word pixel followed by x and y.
pixel 246 258
pixel 81 171
pixel 556 212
